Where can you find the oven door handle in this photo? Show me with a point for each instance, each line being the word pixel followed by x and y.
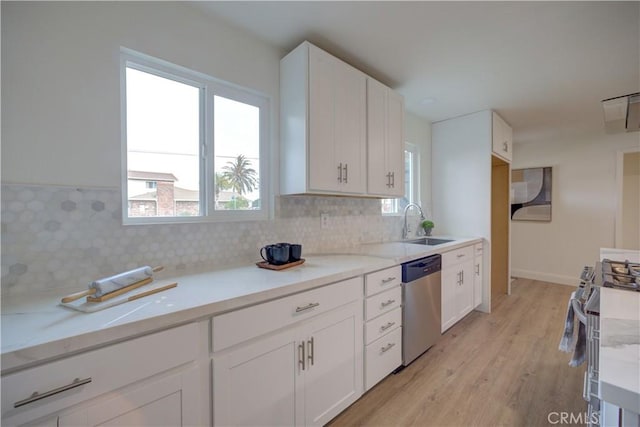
pixel 577 309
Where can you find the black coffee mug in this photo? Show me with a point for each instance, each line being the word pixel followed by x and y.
pixel 275 254
pixel 295 252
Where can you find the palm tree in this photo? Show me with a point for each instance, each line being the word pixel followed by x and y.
pixel 240 176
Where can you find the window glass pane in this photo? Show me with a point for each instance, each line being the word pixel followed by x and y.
pixel 163 140
pixel 237 155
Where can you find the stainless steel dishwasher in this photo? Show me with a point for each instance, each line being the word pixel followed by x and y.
pixel 421 315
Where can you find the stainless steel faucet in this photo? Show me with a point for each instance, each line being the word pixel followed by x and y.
pixel 405 228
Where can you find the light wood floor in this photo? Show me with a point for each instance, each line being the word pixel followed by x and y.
pixel 498 369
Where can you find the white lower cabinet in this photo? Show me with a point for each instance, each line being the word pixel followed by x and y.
pixel 457 285
pixel 167 401
pixel 147 381
pixel 383 324
pixel 383 356
pixel 302 374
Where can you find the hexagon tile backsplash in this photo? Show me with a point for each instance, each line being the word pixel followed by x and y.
pixel 61 237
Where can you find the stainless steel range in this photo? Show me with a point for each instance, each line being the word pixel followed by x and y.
pixel 623 275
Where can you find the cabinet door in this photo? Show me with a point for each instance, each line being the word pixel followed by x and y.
pixel 464 295
pixel 477 277
pixel 450 285
pixel 162 402
pixel 350 123
pixel 334 369
pixel 256 383
pixel 323 173
pixel 378 178
pixel 395 142
pixel 385 145
pixel 502 138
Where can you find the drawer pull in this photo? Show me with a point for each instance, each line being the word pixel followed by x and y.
pixel 307 307
pixel 387 347
pixel 387 326
pixel 387 280
pixel 38 396
pixel 388 302
pixel 459 255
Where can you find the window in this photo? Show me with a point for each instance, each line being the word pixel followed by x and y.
pixel 194 148
pixel 411 182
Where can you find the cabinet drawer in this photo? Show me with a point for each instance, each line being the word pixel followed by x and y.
pixel 382 357
pixel 457 256
pixel 382 303
pixel 382 325
pixel 237 326
pixel 87 375
pixel 382 280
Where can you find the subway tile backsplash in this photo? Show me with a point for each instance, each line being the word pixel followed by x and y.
pixel 62 237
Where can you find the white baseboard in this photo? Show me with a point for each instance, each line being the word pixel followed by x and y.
pixel 546 277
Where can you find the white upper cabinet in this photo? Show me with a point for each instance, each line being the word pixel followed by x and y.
pixel 385 117
pixel 323 124
pixel 502 136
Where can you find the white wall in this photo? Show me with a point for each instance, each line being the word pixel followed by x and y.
pixel 583 206
pixel 61 82
pixel 417 131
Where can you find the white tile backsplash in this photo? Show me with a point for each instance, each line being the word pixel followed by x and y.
pixel 61 237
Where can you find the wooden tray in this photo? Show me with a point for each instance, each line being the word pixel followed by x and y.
pixel 265 264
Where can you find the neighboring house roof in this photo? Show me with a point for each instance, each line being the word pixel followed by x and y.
pixel 151 176
pixel 179 194
pixel 185 195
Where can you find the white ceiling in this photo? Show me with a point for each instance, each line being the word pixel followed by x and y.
pixel 543 66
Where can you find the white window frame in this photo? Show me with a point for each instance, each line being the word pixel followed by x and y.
pixel 209 87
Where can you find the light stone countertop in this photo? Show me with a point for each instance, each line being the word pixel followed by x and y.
pixel 619 366
pixel 35 329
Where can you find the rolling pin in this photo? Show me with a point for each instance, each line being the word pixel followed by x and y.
pixel 97 289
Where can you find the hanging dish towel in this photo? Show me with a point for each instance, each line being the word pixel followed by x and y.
pixel 566 342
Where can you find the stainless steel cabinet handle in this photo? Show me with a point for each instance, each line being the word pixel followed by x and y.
pixel 459 278
pixel 387 347
pixel 311 351
pixel 38 396
pixel 477 269
pixel 387 326
pixel 340 172
pixel 388 302
pixel 459 255
pixel 388 175
pixel 301 358
pixel 387 280
pixel 505 146
pixel 307 307
pixel 346 173
pixel 462 277
pixel 393 179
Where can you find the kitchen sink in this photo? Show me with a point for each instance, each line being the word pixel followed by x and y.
pixel 429 241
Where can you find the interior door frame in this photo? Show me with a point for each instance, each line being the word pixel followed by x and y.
pixel 619 188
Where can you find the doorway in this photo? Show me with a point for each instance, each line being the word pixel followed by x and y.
pixel 500 222
pixel 628 209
